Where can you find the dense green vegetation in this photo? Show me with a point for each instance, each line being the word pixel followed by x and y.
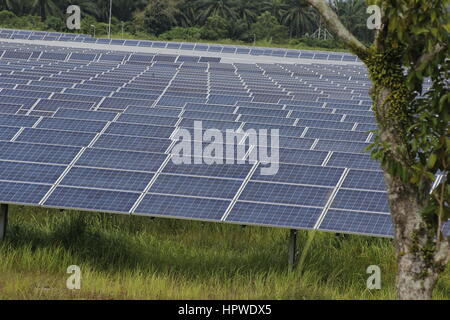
pixel 286 22
pixel 138 258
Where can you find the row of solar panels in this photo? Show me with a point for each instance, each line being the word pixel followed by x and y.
pixel 101 173
pixel 201 47
pixel 133 58
pixel 119 159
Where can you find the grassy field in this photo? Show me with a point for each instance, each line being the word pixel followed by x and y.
pixel 138 258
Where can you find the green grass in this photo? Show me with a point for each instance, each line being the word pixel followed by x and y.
pixel 259 43
pixel 125 257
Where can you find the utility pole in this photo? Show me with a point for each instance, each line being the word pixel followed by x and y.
pixel 110 16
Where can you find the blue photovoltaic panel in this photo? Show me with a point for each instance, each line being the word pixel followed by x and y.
pixel 182 207
pixel 71 103
pixel 317 133
pixel 91 199
pixel 353 161
pixel 286 194
pixel 30 172
pixel 9 108
pixel 53 105
pixel 109 141
pixel 299 174
pixel 131 129
pixel 84 115
pixel 209 170
pixel 163 112
pixel 210 124
pixel 357 222
pixel 125 160
pixel 37 153
pixel 286 131
pixel 22 193
pixel 446 229
pixel 64 138
pixel 151 120
pixel 368 180
pixel 107 179
pixel 273 215
pixel 268 120
pixel 343 146
pixel 72 124
pixel 298 156
pixel 17 120
pixel 7 133
pixel 209 116
pixel 360 201
pixel 195 186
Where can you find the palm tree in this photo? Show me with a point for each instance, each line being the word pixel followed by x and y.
pixel 222 8
pixel 44 8
pixel 12 5
pixel 276 7
pixel 246 11
pixel 300 18
pixel 87 6
pixel 189 17
pixel 353 15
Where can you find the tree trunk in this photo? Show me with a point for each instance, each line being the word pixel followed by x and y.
pixel 42 10
pixel 417 269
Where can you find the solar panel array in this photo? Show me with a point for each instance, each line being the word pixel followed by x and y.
pixel 183 46
pixel 95 132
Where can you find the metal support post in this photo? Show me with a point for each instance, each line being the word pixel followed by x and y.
pixel 3 220
pixel 292 250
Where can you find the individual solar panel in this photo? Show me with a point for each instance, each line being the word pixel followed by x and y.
pixel 273 215
pixel 7 133
pixel 353 161
pixel 63 138
pixel 91 199
pixel 210 59
pixel 17 120
pixel 360 201
pixel 109 141
pixel 344 146
pixel 368 180
pixel 231 171
pixel 55 104
pixel 300 174
pixel 140 130
pixel 357 222
pixel 195 186
pixel 106 179
pixel 163 112
pixel 125 160
pixel 53 56
pixel 286 194
pixel 286 131
pixel 37 153
pixel 30 172
pixel 16 55
pixel 84 115
pixel 151 120
pixel 72 125
pixel 22 193
pixel 182 207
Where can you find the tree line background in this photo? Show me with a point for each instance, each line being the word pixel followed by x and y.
pixel 291 22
